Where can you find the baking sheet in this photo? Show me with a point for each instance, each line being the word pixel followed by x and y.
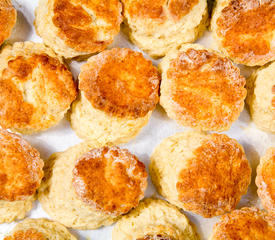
pixel 61 137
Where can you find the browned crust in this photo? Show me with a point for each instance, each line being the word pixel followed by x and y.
pixel 216 178
pixel 80 30
pixel 7 19
pixel 29 234
pixel 110 179
pixel 208 89
pixel 20 167
pixel 120 82
pixel 246 28
pixel 156 237
pixel 246 223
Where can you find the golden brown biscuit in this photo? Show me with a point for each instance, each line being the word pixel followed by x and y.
pixel 36 87
pixel 100 184
pixel 161 25
pixel 78 27
pixel 119 91
pixel 154 219
pixel 39 229
pixel 7 19
pixel 265 181
pixel 201 89
pixel 203 173
pixel 261 97
pixel 20 176
pixel 246 223
pixel 245 30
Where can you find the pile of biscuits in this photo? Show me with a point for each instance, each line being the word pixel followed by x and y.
pixel 96 183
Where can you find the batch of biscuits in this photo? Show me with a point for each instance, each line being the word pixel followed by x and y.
pixel 97 183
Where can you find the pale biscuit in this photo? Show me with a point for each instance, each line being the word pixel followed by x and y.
pixel 161 25
pixel 154 219
pixel 246 223
pixel 89 186
pixel 201 89
pixel 244 30
pixel 39 229
pixel 261 97
pixel 20 176
pixel 265 181
pixel 8 16
pixel 75 28
pixel 36 87
pixel 118 92
pixel 203 173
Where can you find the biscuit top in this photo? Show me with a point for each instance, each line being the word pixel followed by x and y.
pixel 273 98
pixel 246 223
pixel 29 234
pixel 121 83
pixel 214 180
pixel 7 19
pixel 33 90
pixel 158 10
pixel 20 168
pixel 110 179
pixel 87 25
pixel 208 90
pixel 247 28
pixel 156 237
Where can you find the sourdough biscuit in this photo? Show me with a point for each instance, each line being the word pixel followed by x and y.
pixel 36 88
pixel 265 181
pixel 261 97
pixel 161 25
pixel 205 174
pixel 154 219
pixel 118 92
pixel 8 16
pixel 244 30
pixel 20 176
pixel 246 223
pixel 39 229
pixel 100 184
pixel 78 27
pixel 201 89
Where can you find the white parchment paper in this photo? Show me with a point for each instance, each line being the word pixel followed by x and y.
pixel 59 138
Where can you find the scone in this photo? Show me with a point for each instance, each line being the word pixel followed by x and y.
pixel 39 229
pixel 8 16
pixel 158 26
pixel 154 219
pixel 265 181
pixel 246 223
pixel 261 97
pixel 75 28
pixel 203 173
pixel 118 92
pixel 89 186
pixel 201 89
pixel 36 88
pixel 244 30
pixel 20 176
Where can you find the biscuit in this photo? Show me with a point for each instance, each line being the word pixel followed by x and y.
pixel 158 26
pixel 100 184
pixel 119 89
pixel 36 88
pixel 201 89
pixel 154 219
pixel 8 16
pixel 244 30
pixel 75 28
pixel 39 229
pixel 203 173
pixel 20 176
pixel 265 181
pixel 261 97
pixel 246 223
